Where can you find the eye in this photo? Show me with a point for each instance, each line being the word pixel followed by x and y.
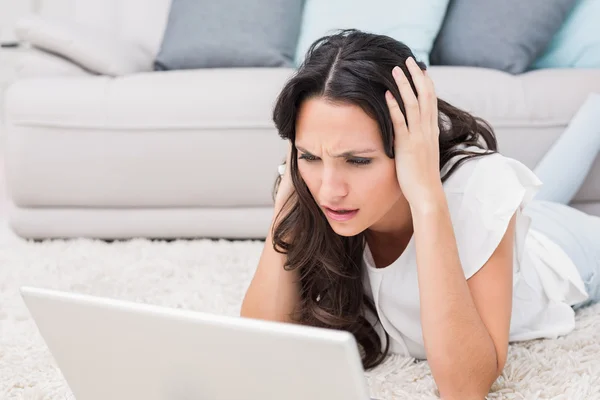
pixel 308 157
pixel 359 161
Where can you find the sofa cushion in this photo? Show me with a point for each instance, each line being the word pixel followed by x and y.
pixel 230 33
pixel 415 23
pixel 147 140
pixel 577 43
pixel 177 139
pixel 195 99
pixel 191 99
pixel 507 35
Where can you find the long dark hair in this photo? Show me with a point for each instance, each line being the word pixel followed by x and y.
pixel 351 67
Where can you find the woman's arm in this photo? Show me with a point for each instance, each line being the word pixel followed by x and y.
pixel 274 292
pixel 465 323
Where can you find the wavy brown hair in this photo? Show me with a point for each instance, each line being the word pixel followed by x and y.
pixel 351 67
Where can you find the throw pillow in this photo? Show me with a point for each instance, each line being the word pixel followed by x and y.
pixel 96 51
pixel 415 23
pixel 503 34
pixel 577 43
pixel 37 63
pixel 230 33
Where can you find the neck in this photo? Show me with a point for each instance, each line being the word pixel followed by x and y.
pixel 388 238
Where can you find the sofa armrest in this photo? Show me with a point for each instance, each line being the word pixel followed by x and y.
pixel 90 48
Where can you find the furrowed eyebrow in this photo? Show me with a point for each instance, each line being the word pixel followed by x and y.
pixel 349 153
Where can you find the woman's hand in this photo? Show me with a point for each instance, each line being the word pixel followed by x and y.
pixel 285 187
pixel 416 146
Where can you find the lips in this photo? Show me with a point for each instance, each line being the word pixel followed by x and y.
pixel 340 214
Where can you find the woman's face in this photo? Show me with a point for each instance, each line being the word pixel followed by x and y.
pixel 342 160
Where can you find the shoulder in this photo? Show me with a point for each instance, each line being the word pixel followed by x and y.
pixel 483 194
pixel 491 173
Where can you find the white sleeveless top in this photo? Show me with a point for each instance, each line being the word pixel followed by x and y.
pixel 483 194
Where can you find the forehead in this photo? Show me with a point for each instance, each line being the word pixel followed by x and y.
pixel 324 121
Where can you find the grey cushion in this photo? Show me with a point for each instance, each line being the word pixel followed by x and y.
pixel 230 33
pixel 503 34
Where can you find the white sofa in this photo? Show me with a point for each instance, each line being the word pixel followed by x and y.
pixel 194 153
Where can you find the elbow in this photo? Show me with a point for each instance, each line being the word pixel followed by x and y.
pixel 464 396
pixel 472 390
pixel 475 385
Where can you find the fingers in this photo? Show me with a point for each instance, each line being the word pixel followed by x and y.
pixel 424 89
pixel 411 104
pixel 421 112
pixel 434 103
pixel 398 121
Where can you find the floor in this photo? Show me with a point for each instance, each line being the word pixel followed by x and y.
pixel 212 276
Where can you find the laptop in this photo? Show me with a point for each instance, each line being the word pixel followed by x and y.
pixel 120 350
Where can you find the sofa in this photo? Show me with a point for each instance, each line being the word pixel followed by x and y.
pixel 194 153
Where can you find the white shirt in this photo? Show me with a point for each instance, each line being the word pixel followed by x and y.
pixel 483 194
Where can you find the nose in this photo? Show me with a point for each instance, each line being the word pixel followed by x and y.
pixel 333 185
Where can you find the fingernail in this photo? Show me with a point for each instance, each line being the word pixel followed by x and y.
pixel 388 95
pixel 410 60
pixel 396 71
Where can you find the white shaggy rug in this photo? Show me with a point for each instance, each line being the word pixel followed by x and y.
pixel 212 276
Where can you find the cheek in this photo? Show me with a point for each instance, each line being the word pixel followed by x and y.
pixel 382 188
pixel 378 186
pixel 309 176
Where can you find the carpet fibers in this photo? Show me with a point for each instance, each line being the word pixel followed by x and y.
pixel 212 276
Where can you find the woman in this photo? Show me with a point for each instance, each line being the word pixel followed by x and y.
pixel 399 221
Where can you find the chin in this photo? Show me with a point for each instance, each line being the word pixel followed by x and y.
pixel 344 229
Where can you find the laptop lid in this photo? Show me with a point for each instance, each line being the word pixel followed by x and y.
pixel 120 350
